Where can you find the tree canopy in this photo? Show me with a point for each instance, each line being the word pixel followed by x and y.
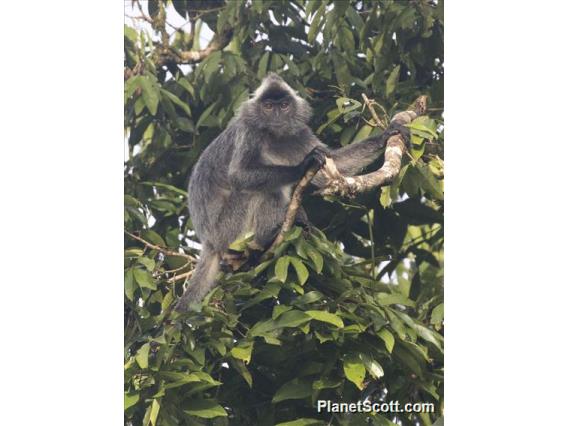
pixel 351 311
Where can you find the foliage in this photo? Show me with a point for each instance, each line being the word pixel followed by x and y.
pixel 353 311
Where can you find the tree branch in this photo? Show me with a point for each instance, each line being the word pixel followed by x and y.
pixel 169 55
pixel 159 248
pixel 180 277
pixel 347 186
pixel 295 202
pixel 219 42
pixel 378 121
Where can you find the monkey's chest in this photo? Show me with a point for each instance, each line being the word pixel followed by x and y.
pixel 271 158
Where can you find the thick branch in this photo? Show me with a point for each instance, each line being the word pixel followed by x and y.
pixel 395 148
pixel 295 202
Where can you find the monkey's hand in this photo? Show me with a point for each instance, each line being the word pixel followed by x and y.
pixel 315 158
pixel 397 129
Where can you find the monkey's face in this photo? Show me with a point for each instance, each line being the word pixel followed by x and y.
pixel 276 107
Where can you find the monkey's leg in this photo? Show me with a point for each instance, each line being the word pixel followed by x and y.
pixel 202 279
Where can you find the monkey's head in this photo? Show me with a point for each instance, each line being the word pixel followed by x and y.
pixel 276 107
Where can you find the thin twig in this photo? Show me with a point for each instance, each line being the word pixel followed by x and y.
pixel 171 271
pixel 160 248
pixel 180 277
pixel 369 104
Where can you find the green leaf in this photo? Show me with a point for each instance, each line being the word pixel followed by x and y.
pixel 301 270
pixel 392 81
pixel 242 243
pixel 154 412
pixel 263 65
pixel 279 310
pixel 292 318
pixel 327 383
pixel 204 377
pixel 130 86
pixel 129 284
pixel 242 370
pixel 130 399
pixel 354 18
pixel 293 234
pixel 316 258
pixel 315 25
pixel 205 408
pixel 272 340
pixel 437 314
pixel 326 317
pixel 429 182
pixel 363 133
pixel 150 264
pixel 176 101
pixel 387 337
pixel 183 82
pixel 309 297
pixel 205 115
pixel 150 94
pixel 354 370
pixel 178 379
pixel 144 279
pixel 372 366
pixel 165 186
pixel 130 33
pixel 292 390
pixel 429 335
pixel 386 299
pixel 142 355
pixel 281 268
pixel 243 352
pixel 153 237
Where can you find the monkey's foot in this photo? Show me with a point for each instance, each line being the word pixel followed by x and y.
pixel 232 260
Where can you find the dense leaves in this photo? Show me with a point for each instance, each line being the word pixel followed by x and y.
pixel 352 310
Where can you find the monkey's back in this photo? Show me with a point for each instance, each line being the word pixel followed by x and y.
pixel 209 191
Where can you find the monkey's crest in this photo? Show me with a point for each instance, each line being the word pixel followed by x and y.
pixel 274 87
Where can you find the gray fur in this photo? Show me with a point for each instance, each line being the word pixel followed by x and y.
pixel 243 180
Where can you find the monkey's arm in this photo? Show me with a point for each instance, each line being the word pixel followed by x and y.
pixel 261 177
pixel 352 159
pixel 247 172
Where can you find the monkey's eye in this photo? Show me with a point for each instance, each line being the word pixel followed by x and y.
pixel 267 105
pixel 284 105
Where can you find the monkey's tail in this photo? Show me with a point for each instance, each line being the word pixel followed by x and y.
pixel 202 280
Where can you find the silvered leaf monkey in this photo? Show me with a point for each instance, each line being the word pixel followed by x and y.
pixel 243 180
